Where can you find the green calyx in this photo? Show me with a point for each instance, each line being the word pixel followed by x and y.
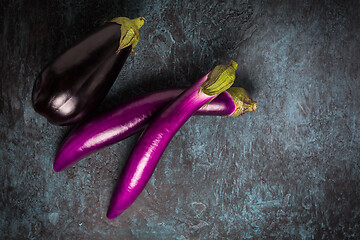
pixel 129 31
pixel 220 79
pixel 242 100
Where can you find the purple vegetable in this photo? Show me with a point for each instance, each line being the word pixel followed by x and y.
pixel 74 84
pixel 129 117
pixel 153 141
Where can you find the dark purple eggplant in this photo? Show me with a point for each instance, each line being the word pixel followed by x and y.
pixel 75 83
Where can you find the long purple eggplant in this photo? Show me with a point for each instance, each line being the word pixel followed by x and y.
pixel 75 83
pixel 129 117
pixel 155 138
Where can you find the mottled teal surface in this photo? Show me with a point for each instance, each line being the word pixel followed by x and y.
pixel 289 170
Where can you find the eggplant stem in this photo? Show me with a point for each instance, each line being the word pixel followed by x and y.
pixel 129 31
pixel 219 79
pixel 242 100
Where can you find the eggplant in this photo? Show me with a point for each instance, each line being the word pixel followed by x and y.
pixel 129 117
pixel 70 88
pixel 155 138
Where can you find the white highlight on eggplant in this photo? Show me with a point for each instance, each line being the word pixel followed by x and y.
pixel 109 133
pixel 64 103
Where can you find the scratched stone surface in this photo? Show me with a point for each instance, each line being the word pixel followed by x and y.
pixel 289 170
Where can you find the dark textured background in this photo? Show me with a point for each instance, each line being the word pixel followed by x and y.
pixel 289 170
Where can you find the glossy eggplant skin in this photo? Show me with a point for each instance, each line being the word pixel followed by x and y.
pixel 155 138
pixel 124 120
pixel 75 83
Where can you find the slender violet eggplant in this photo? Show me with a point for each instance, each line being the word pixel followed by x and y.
pixel 154 139
pixel 75 83
pixel 129 117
